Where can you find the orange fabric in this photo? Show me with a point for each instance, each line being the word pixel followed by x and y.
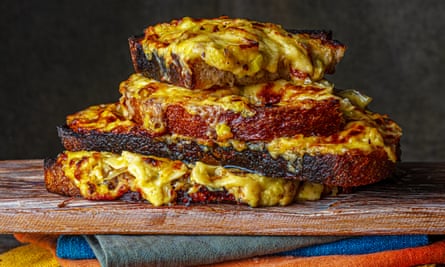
pixel 434 253
pixel 49 242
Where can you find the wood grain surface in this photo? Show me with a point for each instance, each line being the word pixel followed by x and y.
pixel 411 202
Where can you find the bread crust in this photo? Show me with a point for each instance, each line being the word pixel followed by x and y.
pixel 323 118
pixel 270 110
pixel 350 169
pixel 56 181
pixel 199 74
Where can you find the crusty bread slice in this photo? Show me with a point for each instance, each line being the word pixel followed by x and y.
pixel 257 112
pixel 350 169
pixel 221 52
pixel 98 175
pixel 57 182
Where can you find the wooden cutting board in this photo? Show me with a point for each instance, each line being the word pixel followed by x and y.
pixel 411 203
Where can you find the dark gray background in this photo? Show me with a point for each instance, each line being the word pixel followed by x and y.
pixel 58 57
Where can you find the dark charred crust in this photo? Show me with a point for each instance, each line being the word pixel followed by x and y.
pixel 187 151
pixel 132 196
pixel 139 59
pixel 156 67
pixel 350 169
pixel 205 196
pixel 316 34
pixel 326 37
pixel 176 74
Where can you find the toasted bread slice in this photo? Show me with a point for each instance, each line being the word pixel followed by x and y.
pixel 57 181
pixel 364 151
pixel 249 113
pixel 221 52
pixel 107 176
pixel 350 169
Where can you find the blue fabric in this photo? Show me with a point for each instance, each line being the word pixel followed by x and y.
pixel 361 245
pixel 73 247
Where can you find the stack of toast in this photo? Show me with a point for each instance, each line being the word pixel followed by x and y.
pixel 226 110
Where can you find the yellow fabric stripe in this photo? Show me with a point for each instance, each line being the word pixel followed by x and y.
pixel 28 255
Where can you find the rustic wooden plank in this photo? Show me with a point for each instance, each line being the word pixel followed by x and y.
pixel 413 202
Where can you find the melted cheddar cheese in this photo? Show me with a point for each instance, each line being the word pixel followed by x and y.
pixel 239 46
pixel 253 189
pixel 236 99
pixel 104 118
pixel 105 175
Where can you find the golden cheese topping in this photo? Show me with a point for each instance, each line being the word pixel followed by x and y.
pixel 365 131
pixel 287 93
pixel 150 90
pixel 93 175
pixel 104 118
pixel 153 177
pixel 240 46
pixel 105 175
pixel 237 99
pixel 253 189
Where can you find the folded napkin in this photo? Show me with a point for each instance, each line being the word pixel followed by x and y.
pixel 416 255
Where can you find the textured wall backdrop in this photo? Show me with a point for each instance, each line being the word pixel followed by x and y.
pixel 61 56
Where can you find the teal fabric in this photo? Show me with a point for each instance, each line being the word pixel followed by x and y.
pixel 73 247
pixel 174 250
